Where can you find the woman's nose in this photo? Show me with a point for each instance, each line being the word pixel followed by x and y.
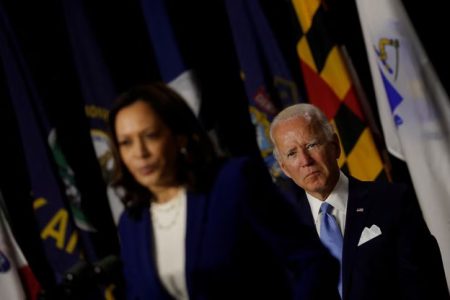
pixel 142 150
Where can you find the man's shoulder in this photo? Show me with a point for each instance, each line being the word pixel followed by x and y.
pixel 380 185
pixel 382 193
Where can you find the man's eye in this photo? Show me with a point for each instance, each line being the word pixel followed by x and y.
pixel 291 154
pixel 311 146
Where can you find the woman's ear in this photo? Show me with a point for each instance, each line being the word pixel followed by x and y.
pixel 182 142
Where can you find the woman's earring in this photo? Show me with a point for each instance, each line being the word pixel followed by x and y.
pixel 183 151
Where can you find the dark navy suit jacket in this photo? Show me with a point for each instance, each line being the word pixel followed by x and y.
pixel 242 242
pixel 404 262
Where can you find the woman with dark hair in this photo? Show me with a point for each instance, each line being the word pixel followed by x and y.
pixel 199 227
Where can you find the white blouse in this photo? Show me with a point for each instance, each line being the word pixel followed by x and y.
pixel 169 230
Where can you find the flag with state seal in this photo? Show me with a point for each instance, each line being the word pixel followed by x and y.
pixel 98 92
pixel 56 199
pixel 268 81
pixel 414 110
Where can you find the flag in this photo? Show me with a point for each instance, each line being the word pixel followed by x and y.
pixel 17 280
pixel 329 86
pixel 98 93
pixel 414 110
pixel 267 79
pixel 44 161
pixel 170 62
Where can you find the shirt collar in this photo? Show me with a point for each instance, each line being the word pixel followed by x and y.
pixel 338 197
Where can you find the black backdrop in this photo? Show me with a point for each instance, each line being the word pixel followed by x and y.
pixel 204 38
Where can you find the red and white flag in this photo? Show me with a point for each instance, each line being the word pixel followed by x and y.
pixel 17 281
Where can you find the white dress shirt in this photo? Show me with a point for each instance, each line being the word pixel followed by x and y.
pixel 338 198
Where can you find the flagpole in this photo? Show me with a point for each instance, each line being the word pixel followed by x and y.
pixel 368 112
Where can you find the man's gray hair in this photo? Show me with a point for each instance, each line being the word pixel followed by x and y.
pixel 307 111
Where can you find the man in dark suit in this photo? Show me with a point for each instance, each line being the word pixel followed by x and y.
pixel 376 230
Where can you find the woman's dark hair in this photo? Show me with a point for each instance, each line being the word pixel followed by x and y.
pixel 195 165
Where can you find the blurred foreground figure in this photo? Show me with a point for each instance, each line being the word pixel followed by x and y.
pixel 200 227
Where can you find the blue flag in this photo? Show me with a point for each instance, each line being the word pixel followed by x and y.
pixel 268 82
pixel 98 92
pixel 44 160
pixel 170 62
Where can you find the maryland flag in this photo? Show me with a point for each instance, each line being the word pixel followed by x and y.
pixel 329 86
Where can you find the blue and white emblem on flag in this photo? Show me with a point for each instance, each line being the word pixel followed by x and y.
pixel 5 265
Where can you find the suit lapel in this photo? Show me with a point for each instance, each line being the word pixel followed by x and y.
pixel 196 206
pixel 357 207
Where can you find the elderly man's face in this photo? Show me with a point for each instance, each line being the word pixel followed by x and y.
pixel 307 156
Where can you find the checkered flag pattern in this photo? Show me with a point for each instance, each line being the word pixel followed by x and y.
pixel 329 86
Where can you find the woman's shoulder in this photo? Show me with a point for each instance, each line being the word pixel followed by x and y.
pixel 132 219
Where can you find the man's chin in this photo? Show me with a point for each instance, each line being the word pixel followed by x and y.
pixel 316 185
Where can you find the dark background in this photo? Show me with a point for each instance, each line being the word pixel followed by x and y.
pixel 204 38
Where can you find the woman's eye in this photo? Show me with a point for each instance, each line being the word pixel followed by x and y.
pixel 124 143
pixel 151 135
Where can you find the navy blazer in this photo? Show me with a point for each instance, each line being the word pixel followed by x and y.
pixel 242 242
pixel 404 262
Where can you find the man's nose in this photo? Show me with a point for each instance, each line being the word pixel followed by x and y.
pixel 305 158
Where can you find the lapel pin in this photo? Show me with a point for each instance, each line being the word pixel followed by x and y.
pixel 360 209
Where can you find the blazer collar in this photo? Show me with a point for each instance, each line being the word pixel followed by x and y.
pixel 357 206
pixel 196 207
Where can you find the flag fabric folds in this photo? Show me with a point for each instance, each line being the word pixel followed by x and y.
pixel 329 86
pixel 17 280
pixel 170 62
pixel 98 92
pixel 45 163
pixel 267 79
pixel 414 110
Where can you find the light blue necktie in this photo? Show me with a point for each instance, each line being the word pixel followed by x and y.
pixel 331 236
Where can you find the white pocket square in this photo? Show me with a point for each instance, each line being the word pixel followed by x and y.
pixel 369 233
